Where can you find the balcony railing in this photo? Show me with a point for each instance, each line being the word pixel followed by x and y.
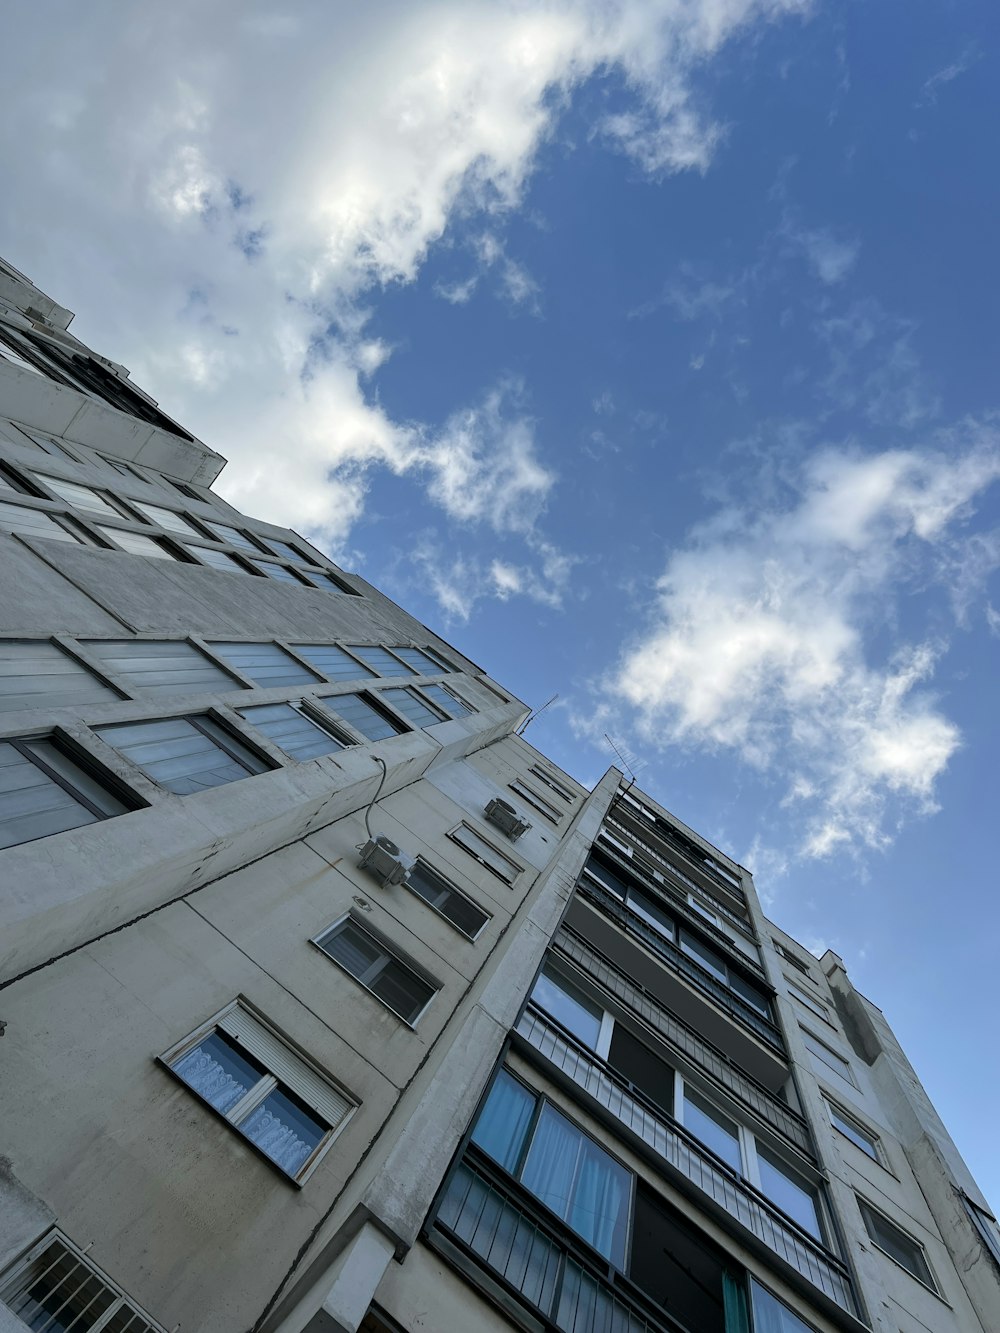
pixel 681 1036
pixel 718 874
pixel 674 1145
pixel 675 958
pixel 491 1220
pixel 723 909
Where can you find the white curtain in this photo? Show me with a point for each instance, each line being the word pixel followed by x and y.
pixel 276 1139
pixel 200 1069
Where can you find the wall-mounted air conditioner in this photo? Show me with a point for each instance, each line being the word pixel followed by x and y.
pixel 503 814
pixel 382 858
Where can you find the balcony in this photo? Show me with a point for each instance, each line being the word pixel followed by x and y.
pixel 678 961
pixel 684 882
pixel 713 872
pixel 718 1185
pixel 490 1220
pixel 682 1037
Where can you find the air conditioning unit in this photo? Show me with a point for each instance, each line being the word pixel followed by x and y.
pixel 382 858
pixel 503 814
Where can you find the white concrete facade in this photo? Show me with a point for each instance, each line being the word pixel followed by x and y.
pixel 195 980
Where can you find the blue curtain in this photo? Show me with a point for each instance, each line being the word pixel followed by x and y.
pixel 504 1120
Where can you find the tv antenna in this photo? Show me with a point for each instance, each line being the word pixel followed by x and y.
pixel 531 716
pixel 628 761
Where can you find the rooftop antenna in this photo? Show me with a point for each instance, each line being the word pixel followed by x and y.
pixel 531 716
pixel 628 761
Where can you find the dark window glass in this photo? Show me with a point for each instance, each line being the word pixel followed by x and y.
pixel 906 1251
pixel 446 899
pixel 385 975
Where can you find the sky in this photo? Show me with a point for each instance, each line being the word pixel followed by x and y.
pixel 646 349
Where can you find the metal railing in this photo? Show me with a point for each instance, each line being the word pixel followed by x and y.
pixel 671 1142
pixel 722 908
pixel 674 957
pixel 678 1034
pixel 494 1222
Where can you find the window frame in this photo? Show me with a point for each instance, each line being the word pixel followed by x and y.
pixel 554 783
pixel 469 851
pixel 311 714
pixel 536 801
pixel 986 1225
pixel 388 715
pixel 252 1099
pixel 13 1286
pixel 834 1109
pixel 814 1006
pixel 452 888
pixel 849 1076
pixel 222 728
pixel 867 1210
pixel 391 953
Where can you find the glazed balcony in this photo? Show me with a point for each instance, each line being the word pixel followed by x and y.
pixel 680 1036
pixel 706 871
pixel 717 1187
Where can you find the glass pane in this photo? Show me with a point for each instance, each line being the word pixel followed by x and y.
pixel 280 572
pixel 219 560
pixel 402 990
pixel 175 754
pixel 163 666
pixel 233 536
pixel 32 805
pixel 580 1183
pixel 59 1292
pixel 772 1316
pixel 411 707
pixel 136 543
pixel 219 1070
pixel 420 662
pixel 569 1006
pixel 297 735
pixel 712 1128
pixel 456 707
pixel 81 496
pixel 792 1196
pixel 897 1244
pixel 380 659
pixel 168 519
pixel 747 991
pixel 853 1132
pixel 288 552
pixel 334 663
pixel 651 913
pixel 266 664
pixel 504 1120
pixel 33 523
pixel 362 716
pixel 705 955
pixel 285 1129
pixel 37 674
pixel 446 899
pixel 353 949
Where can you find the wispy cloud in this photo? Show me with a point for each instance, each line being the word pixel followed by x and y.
pixel 831 257
pixel 874 367
pixel 947 74
pixel 773 636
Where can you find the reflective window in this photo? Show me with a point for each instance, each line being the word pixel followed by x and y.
pixel 792 1195
pixel 43 790
pixel 136 543
pixel 380 660
pixel 568 1005
pixel 37 674
pixel 850 1128
pixel 334 663
pixel 378 969
pixel 168 519
pixel 362 713
pixel 265 664
pixel 453 905
pixel 34 523
pixel 80 496
pixel 185 754
pixel 895 1242
pixel 292 731
pixel 714 1129
pixel 412 707
pixel 163 666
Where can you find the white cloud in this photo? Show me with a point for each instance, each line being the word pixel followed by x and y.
pixel 286 169
pixel 830 257
pixel 763 641
pixel 929 91
pixel 461 581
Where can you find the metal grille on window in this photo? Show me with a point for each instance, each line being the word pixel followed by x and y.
pixel 56 1290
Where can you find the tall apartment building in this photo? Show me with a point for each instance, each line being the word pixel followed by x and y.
pixel 329 1003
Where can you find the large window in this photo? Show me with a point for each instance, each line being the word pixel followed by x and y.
pixel 448 700
pixel 136 543
pixel 37 674
pixel 83 497
pixel 773 1316
pixel 412 707
pixel 292 730
pixel 560 1165
pixel 168 519
pixel 381 660
pixel 55 1287
pixel 240 1068
pixel 334 663
pixel 895 1242
pixel 163 667
pixel 364 715
pixel 44 790
pixel 852 1129
pixel 453 905
pixel 485 853
pixel 827 1056
pixel 185 754
pixel 397 984
pixel 419 662
pixel 265 664
pixel 37 523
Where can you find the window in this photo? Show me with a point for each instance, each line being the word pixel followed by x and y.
pixel 364 714
pixel 773 1316
pixel 238 1066
pixel 828 1057
pixel 569 1006
pixel 265 664
pixel 714 1129
pixel 485 853
pixel 532 797
pixel 450 702
pixel 168 519
pixel 853 1130
pixel 560 1165
pixel 381 660
pixel 44 790
pixel 280 572
pixel 422 663
pixel 789 957
pixel 412 707
pixel 397 984
pixel 809 1002
pixel 552 782
pixel 136 543
pixel 334 663
pixel 37 523
pixel 56 1287
pixel 289 552
pixel 208 555
pixel 124 469
pixel 163 666
pixel 83 497
pixel 185 754
pixel 986 1225
pixel 38 674
pixel 292 730
pixel 453 905
pixel 906 1251
pixel 792 1195
pixel 233 536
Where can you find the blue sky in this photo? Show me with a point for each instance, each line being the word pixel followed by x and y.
pixel 646 350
